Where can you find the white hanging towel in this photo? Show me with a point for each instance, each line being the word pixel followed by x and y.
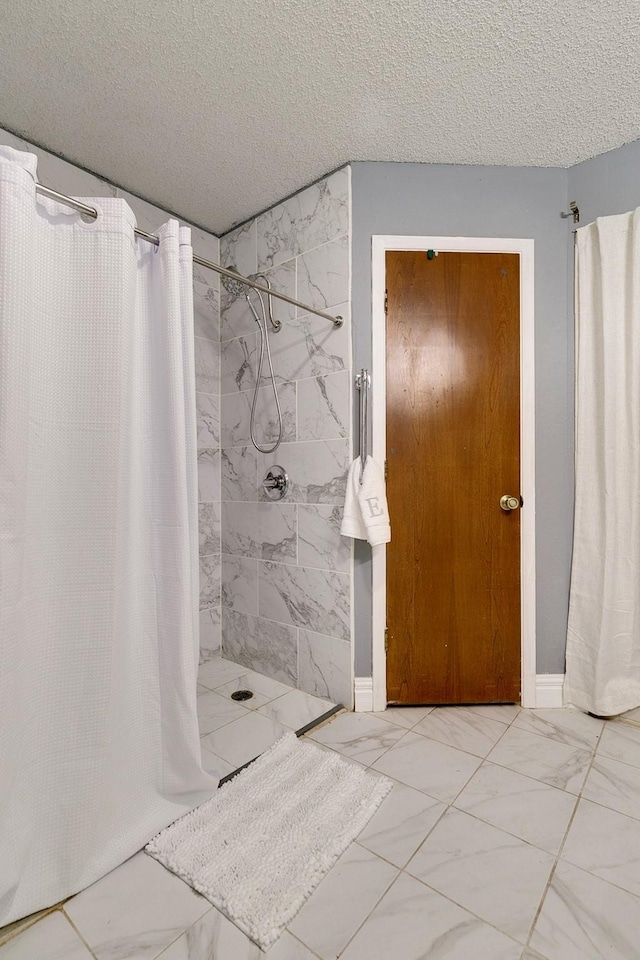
pixel 352 523
pixel 366 515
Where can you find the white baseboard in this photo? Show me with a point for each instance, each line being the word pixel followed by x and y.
pixel 548 692
pixel 549 689
pixel 363 689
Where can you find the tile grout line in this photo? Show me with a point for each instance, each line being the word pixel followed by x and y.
pixel 579 798
pixel 316 956
pixel 427 737
pixel 72 924
pixel 282 623
pixel 376 904
pixel 482 920
pixel 402 871
pixel 515 836
pixel 162 953
pixel 626 763
pixel 558 855
pixel 445 743
pixel 543 736
pixel 45 912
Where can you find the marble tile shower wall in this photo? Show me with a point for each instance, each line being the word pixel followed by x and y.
pixel 70 180
pixel 286 571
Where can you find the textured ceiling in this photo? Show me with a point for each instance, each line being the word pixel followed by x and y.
pixel 216 110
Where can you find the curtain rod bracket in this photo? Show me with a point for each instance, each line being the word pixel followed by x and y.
pixel 573 212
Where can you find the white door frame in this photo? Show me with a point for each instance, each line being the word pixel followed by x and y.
pixel 525 249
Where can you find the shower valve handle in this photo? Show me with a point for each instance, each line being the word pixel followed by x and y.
pixel 275 483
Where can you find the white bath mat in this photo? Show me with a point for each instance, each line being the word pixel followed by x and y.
pixel 261 845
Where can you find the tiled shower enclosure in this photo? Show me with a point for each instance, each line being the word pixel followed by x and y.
pixel 286 571
pixel 275 578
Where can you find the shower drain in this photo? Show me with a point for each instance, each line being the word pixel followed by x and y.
pixel 242 695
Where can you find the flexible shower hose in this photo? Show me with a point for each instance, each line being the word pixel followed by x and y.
pixel 264 339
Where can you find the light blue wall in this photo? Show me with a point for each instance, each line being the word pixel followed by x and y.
pixel 474 201
pixel 607 184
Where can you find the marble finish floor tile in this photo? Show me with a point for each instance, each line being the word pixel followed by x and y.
pixel 254 702
pixel 606 844
pixel 401 823
pixel 119 923
pixel 427 765
pixel 585 918
pixel 213 937
pixel 263 688
pixel 491 873
pixel 244 739
pixel 558 764
pixel 215 711
pixel 10 930
pixel 217 671
pixel 504 712
pixel 471 874
pixel 527 808
pixel 359 736
pixel 631 716
pixel 621 741
pixel 341 901
pixel 462 728
pixel 52 938
pixel 614 784
pixel 406 717
pixel 412 922
pixel 572 727
pixel 295 709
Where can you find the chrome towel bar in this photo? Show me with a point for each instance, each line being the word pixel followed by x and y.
pixel 363 384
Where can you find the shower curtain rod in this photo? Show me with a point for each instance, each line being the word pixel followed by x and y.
pixel 92 212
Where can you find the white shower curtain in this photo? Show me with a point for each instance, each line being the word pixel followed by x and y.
pixel 99 742
pixel 603 643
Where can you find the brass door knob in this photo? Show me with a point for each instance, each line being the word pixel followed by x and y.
pixel 508 503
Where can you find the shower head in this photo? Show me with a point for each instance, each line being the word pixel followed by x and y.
pixel 235 287
pixel 238 289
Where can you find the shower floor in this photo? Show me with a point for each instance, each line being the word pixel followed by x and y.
pixel 233 732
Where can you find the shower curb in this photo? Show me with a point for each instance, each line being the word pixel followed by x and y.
pixel 299 733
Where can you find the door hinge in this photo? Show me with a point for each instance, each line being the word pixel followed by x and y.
pixel 386 469
pixel 386 639
pixel 386 301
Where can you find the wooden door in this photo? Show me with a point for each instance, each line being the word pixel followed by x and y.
pixel 453 450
